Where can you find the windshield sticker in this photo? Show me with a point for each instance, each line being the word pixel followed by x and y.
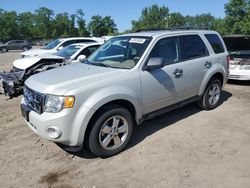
pixel 137 40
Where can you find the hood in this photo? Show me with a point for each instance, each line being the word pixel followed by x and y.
pixel 25 63
pixel 60 80
pixel 37 52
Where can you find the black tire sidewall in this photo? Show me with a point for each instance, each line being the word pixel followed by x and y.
pixel 93 142
pixel 206 95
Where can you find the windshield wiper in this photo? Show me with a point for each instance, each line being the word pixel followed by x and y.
pixel 97 64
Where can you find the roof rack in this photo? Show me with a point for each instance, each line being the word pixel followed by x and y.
pixel 190 28
pixel 175 28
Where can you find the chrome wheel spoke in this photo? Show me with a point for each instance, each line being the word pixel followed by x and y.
pixel 113 132
pixel 210 100
pixel 106 129
pixel 107 140
pixel 117 141
pixel 123 128
pixel 115 122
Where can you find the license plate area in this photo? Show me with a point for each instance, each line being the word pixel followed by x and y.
pixel 25 110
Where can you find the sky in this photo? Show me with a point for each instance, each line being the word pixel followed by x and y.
pixel 122 12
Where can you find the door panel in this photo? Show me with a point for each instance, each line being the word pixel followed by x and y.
pixel 161 87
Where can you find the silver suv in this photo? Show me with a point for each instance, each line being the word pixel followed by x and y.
pixel 129 79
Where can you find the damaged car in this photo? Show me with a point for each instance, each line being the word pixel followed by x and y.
pixel 239 62
pixel 11 83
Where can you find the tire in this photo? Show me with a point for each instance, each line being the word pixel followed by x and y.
pixel 25 48
pixel 211 96
pixel 3 49
pixel 111 131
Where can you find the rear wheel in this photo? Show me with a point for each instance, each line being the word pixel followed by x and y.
pixel 111 131
pixel 211 96
pixel 3 49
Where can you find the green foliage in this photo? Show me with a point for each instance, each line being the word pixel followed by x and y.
pixel 153 17
pixel 237 16
pixel 43 24
pixel 99 26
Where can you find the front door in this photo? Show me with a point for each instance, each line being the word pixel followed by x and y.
pixel 161 87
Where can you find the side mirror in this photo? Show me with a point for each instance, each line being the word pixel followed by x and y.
pixel 81 58
pixel 59 48
pixel 154 63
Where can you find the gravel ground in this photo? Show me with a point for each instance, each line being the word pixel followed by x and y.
pixel 184 148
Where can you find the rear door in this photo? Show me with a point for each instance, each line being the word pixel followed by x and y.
pixel 197 61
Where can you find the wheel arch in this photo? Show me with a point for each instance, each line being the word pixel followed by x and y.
pixel 117 102
pixel 215 75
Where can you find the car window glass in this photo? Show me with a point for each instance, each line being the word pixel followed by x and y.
pixel 84 41
pixel 88 51
pixel 167 49
pixel 215 42
pixel 193 47
pixel 68 43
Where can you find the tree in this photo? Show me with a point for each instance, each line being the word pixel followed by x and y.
pixel 176 20
pixel 8 25
pixel 99 26
pixel 82 30
pixel 26 25
pixel 43 22
pixel 61 25
pixel 153 17
pixel 237 14
pixel 202 20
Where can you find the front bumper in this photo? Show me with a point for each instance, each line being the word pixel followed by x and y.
pixel 71 128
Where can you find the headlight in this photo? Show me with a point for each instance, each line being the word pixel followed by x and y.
pixel 54 104
pixel 245 67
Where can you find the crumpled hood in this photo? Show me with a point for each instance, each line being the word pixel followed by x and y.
pixel 37 52
pixel 60 80
pixel 25 63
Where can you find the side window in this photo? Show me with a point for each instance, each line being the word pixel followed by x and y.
pixel 88 51
pixel 215 42
pixel 193 47
pixel 168 49
pixel 68 43
pixel 84 40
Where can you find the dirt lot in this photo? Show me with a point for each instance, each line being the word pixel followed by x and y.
pixel 184 148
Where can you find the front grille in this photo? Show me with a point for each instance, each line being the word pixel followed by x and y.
pixel 34 99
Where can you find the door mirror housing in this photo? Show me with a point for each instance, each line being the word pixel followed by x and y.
pixel 59 48
pixel 154 63
pixel 81 58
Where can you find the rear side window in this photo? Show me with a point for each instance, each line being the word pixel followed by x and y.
pixel 193 47
pixel 84 40
pixel 215 42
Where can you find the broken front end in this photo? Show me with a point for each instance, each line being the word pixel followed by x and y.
pixel 11 83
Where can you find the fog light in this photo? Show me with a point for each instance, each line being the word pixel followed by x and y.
pixel 53 132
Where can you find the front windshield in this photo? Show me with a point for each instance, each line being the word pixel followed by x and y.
pixel 52 45
pixel 68 51
pixel 120 52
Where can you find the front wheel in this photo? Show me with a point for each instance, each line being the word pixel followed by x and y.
pixel 25 48
pixel 211 96
pixel 111 131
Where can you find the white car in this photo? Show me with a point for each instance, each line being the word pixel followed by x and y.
pixel 12 82
pixel 239 62
pixel 59 44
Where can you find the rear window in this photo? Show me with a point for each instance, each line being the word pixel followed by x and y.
pixel 234 44
pixel 215 42
pixel 193 47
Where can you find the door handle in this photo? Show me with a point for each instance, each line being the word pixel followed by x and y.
pixel 178 73
pixel 208 64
